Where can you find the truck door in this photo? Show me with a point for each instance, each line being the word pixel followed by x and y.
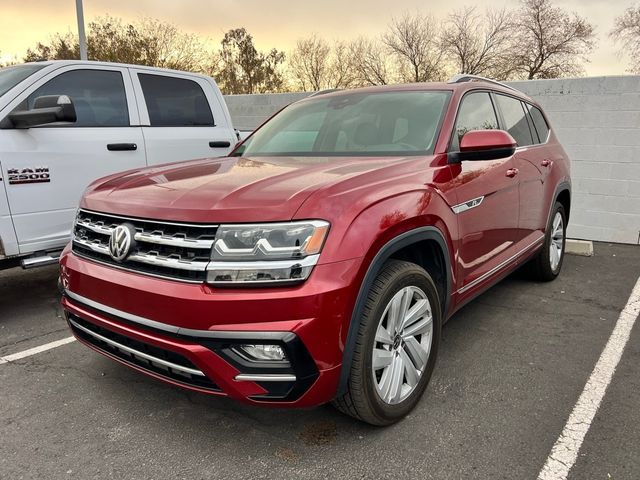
pixel 487 193
pixel 46 168
pixel 8 242
pixel 181 117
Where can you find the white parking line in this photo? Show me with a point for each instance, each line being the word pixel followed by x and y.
pixel 35 350
pixel 565 451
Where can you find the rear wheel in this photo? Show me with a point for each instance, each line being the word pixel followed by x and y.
pixel 396 346
pixel 547 265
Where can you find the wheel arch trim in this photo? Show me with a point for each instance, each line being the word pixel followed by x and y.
pixel 386 251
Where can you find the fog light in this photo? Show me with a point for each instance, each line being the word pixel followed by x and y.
pixel 263 353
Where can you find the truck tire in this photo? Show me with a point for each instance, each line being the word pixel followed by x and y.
pixel 547 264
pixel 396 345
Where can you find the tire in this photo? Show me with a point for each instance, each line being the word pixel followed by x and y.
pixel 372 395
pixel 543 267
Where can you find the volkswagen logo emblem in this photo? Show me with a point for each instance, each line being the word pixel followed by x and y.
pixel 121 241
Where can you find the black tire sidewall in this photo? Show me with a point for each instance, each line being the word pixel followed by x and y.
pixel 548 240
pixel 418 277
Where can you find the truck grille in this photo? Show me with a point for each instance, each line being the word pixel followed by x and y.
pixel 171 250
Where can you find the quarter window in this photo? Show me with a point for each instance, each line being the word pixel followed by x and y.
pixel 539 123
pixel 476 113
pixel 175 102
pixel 515 119
pixel 98 97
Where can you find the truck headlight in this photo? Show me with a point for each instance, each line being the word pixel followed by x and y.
pixel 266 253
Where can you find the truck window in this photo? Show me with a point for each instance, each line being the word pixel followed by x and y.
pixel 11 76
pixel 175 102
pixel 539 123
pixel 515 119
pixel 476 113
pixel 98 96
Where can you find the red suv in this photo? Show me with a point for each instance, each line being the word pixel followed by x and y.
pixel 319 261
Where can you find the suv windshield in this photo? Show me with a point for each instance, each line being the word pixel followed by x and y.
pixel 356 124
pixel 11 76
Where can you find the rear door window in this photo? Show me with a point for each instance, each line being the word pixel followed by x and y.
pixel 515 119
pixel 175 102
pixel 476 113
pixel 539 123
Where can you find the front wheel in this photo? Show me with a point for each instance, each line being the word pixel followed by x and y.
pixel 396 347
pixel 546 266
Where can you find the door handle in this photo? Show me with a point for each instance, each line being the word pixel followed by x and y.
pixel 512 172
pixel 546 163
pixel 220 144
pixel 121 147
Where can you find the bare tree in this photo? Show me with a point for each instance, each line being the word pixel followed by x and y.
pixel 627 32
pixel 369 62
pixel 551 42
pixel 315 65
pixel 309 63
pixel 480 44
pixel 412 40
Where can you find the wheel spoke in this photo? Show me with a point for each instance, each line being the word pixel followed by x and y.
pixel 419 309
pixel 381 358
pixel 382 336
pixel 395 381
pixel 394 314
pixel 416 352
pixel 417 328
pixel 411 373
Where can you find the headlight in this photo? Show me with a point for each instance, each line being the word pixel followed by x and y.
pixel 266 253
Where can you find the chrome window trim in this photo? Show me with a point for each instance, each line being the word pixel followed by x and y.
pixel 137 353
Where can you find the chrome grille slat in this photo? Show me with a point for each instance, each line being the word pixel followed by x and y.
pixel 162 249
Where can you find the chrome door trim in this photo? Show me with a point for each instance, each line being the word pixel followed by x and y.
pixel 500 266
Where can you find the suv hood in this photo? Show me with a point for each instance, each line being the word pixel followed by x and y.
pixel 230 189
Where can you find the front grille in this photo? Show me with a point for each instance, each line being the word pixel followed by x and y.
pixel 172 250
pixel 162 362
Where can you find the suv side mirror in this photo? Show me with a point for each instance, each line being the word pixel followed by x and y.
pixel 484 145
pixel 46 109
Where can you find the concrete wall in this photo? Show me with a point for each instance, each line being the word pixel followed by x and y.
pixel 598 122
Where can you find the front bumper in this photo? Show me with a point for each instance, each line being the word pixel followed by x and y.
pixel 184 334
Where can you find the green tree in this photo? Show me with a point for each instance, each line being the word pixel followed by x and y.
pixel 243 69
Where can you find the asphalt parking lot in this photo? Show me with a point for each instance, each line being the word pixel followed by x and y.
pixel 511 368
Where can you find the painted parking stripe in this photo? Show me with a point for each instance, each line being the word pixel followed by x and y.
pixel 35 350
pixel 565 451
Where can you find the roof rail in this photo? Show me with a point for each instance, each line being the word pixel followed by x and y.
pixel 322 92
pixel 463 77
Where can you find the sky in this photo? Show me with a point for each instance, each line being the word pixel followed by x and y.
pixel 277 23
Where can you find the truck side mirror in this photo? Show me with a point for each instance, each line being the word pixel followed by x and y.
pixel 484 145
pixel 46 109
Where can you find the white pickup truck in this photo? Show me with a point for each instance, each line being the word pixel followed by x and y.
pixel 65 123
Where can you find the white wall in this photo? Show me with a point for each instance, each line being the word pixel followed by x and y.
pixel 597 120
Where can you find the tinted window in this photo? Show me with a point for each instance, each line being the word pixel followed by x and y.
pixel 98 96
pixel 539 123
pixel 174 102
pixel 355 124
pixel 11 76
pixel 476 113
pixel 515 119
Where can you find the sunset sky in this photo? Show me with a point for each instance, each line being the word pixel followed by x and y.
pixel 275 23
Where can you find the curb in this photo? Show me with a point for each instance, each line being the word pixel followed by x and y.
pixel 583 248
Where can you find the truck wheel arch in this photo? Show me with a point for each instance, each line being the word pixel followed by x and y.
pixel 393 246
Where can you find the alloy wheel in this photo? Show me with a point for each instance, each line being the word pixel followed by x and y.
pixel 402 345
pixel 556 246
